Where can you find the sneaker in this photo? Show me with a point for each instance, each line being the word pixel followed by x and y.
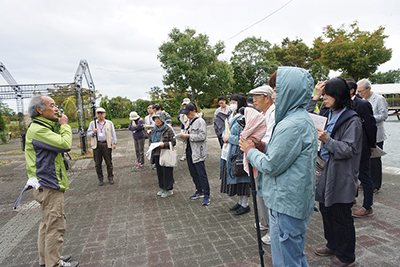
pixel 167 193
pixel 140 165
pixel 101 183
pixel 262 227
pixel 196 195
pixel 362 213
pixel 206 200
pixel 266 239
pixel 68 264
pixel 159 193
pixel 111 181
pixel 376 190
pixel 242 210
pixel 183 158
pixel 154 167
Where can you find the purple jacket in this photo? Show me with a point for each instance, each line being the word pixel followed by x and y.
pixel 138 130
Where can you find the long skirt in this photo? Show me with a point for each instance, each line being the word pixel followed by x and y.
pixel 240 189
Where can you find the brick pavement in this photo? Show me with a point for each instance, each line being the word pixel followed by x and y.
pixel 126 224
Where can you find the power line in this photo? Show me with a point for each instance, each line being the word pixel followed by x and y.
pixel 179 61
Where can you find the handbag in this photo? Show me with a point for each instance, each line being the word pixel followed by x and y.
pixel 168 157
pixel 237 166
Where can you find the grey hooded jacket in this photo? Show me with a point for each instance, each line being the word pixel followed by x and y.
pixel 198 138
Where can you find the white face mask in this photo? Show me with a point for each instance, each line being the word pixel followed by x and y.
pixel 233 107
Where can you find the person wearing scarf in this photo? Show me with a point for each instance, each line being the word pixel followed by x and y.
pixel 338 185
pixel 165 134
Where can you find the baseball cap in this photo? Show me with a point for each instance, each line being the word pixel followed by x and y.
pixel 186 101
pixel 189 107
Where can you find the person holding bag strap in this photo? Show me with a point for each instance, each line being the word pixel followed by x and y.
pixel 196 152
pixel 165 134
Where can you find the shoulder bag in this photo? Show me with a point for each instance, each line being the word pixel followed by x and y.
pixel 168 157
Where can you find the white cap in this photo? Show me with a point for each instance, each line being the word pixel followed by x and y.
pixel 100 110
pixel 186 101
pixel 133 115
pixel 262 90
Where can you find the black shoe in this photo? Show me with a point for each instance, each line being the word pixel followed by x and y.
pixel 65 257
pixel 101 183
pixel 242 210
pixel 111 181
pixel 236 207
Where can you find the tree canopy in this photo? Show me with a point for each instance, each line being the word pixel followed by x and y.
pixel 191 64
pixel 253 62
pixel 391 76
pixel 354 52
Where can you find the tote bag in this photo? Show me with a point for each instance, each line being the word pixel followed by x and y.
pixel 168 157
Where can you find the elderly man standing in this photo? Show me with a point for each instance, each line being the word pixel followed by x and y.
pixel 380 109
pixel 103 141
pixel 262 100
pixel 45 143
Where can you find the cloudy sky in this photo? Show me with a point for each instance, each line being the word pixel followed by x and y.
pixel 43 41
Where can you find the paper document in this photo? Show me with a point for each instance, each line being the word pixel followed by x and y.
pixel 151 148
pixel 319 122
pixel 377 152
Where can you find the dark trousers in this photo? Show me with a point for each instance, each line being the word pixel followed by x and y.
pixel 139 149
pixel 102 151
pixel 198 173
pixel 339 230
pixel 220 140
pixel 165 175
pixel 376 169
pixel 368 188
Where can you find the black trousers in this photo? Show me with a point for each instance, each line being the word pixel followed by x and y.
pixel 365 178
pixel 198 173
pixel 102 151
pixel 339 230
pixel 376 169
pixel 165 175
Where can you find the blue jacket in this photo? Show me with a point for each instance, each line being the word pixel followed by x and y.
pixel 233 140
pixel 287 168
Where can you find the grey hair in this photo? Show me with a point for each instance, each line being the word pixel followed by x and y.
pixel 36 101
pixel 365 82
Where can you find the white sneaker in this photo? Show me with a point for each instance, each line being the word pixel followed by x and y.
pixel 167 193
pixel 266 239
pixel 159 193
pixel 262 227
pixel 182 158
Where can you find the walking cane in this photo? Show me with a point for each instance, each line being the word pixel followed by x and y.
pixel 94 118
pixel 254 194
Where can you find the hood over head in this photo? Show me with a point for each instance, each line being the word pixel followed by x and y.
pixel 294 87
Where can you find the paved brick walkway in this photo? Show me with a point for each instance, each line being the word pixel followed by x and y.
pixel 126 224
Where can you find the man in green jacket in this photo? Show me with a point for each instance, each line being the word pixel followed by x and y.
pixel 46 141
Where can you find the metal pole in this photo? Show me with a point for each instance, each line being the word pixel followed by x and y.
pixel 254 195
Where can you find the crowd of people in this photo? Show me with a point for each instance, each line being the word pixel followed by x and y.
pixel 271 132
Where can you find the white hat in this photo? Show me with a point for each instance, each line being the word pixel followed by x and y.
pixel 186 101
pixel 100 110
pixel 133 115
pixel 262 90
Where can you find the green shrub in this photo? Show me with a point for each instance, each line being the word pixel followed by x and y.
pixel 3 138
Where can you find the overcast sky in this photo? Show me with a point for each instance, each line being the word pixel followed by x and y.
pixel 43 41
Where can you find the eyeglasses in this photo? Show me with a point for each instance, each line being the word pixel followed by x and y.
pixel 255 98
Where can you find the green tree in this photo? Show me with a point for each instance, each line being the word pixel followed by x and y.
pixel 116 107
pixel 190 63
pixel 253 62
pixel 155 93
pixel 70 108
pixel 2 123
pixel 391 76
pixel 354 52
pixel 296 53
